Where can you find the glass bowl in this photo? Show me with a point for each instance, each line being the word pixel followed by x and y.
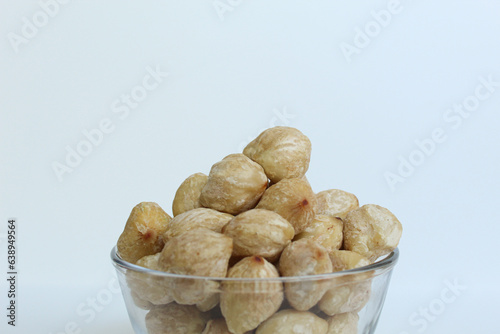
pixel 348 302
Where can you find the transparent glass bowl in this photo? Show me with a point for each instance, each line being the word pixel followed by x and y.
pixel 359 291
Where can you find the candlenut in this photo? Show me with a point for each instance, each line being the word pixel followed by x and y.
pixel 252 214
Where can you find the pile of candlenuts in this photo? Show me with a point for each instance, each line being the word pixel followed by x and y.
pixel 255 218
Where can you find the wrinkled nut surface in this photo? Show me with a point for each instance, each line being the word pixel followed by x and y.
pixel 143 232
pixel 346 298
pixel 247 304
pixel 235 184
pixel 372 231
pixel 211 301
pixel 259 232
pixel 346 323
pixel 293 322
pixel 175 319
pixel 216 326
pixel 147 287
pixel 199 252
pixel 196 218
pixel 294 200
pixel 325 230
pixel 188 194
pixel 346 260
pixel 336 203
pixel 301 258
pixel 284 153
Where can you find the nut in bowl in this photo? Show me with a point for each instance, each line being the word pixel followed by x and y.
pixel 253 249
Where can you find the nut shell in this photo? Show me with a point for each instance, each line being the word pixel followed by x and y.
pixel 175 319
pixel 325 230
pixel 259 232
pixel 336 203
pixel 301 258
pixel 294 200
pixel 247 304
pixel 235 184
pixel 372 231
pixel 143 232
pixel 284 153
pixel 187 196
pixel 293 322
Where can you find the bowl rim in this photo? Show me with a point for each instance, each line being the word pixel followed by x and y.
pixel 377 268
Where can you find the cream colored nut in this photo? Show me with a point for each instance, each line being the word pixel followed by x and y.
pixel 325 230
pixel 216 326
pixel 350 297
pixel 210 302
pixel 372 231
pixel 259 232
pixel 187 196
pixel 336 203
pixel 196 218
pixel 247 304
pixel 175 319
pixel 141 303
pixel 284 153
pixel 293 322
pixel 235 184
pixel 346 323
pixel 294 200
pixel 199 252
pixel 150 288
pixel 346 260
pixel 143 232
pixel 301 258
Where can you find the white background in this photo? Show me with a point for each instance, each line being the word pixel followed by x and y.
pixel 228 79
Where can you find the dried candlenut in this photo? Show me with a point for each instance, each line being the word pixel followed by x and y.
pixel 325 230
pixel 284 153
pixel 196 218
pixel 175 319
pixel 143 233
pixel 252 249
pixel 345 260
pixel 235 184
pixel 336 203
pixel 372 231
pixel 294 200
pixel 187 196
pixel 350 294
pixel 293 322
pixel 259 232
pixel 301 258
pixel 199 252
pixel 246 304
pixel 216 326
pixel 345 323
pixel 154 289
pixel 350 297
